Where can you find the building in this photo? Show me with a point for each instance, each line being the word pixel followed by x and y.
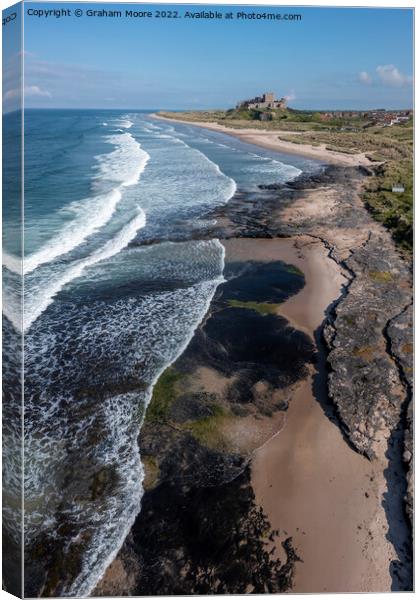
pixel 398 189
pixel 266 101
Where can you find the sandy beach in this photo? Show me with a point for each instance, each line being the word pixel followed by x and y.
pixel 306 475
pixel 309 478
pixel 270 140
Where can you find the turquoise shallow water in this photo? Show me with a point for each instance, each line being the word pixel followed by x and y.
pixel 106 312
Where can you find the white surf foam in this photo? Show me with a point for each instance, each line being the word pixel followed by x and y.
pixel 230 189
pixel 125 123
pixel 153 330
pixel 36 303
pixel 89 577
pixel 122 167
pixel 12 263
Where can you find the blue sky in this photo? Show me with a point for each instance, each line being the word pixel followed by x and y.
pixel 332 58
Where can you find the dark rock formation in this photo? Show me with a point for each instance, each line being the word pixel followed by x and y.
pixel 400 332
pixel 364 382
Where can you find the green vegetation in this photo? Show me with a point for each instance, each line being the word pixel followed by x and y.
pixel 203 115
pixel 394 210
pixel 151 471
pixel 262 308
pixel 295 270
pixel 393 146
pixel 279 119
pixel 382 143
pixel 208 429
pixel 163 395
pixel 381 276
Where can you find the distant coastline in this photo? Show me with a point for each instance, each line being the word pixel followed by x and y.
pixel 271 141
pixel 380 141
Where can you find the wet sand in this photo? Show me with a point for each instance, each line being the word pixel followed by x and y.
pixel 312 485
pixel 270 140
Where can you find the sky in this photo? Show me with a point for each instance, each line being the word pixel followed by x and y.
pixel 333 58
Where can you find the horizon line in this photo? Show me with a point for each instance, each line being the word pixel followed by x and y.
pixel 148 109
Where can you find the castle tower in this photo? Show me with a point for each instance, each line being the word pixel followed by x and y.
pixel 268 97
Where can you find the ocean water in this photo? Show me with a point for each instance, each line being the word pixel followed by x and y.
pixel 109 303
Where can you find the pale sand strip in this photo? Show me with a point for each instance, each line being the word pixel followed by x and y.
pixel 309 482
pixel 270 140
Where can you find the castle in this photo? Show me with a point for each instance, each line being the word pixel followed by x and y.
pixel 267 100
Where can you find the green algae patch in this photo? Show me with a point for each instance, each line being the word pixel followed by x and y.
pixel 365 352
pixel 295 270
pixel 262 308
pixel 164 394
pixel 349 319
pixel 151 472
pixel 208 429
pixel 381 276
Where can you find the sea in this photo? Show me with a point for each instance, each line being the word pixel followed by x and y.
pixel 110 301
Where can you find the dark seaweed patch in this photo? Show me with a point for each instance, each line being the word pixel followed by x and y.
pixel 263 282
pixel 215 536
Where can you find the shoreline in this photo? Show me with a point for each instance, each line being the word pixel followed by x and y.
pixel 326 484
pixel 236 436
pixel 270 141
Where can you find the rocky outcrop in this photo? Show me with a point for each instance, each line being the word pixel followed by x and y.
pixel 399 331
pixel 364 382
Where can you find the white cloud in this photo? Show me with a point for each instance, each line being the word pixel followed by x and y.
pixel 35 91
pixel 31 91
pixel 11 94
pixel 390 75
pixel 290 96
pixel 364 77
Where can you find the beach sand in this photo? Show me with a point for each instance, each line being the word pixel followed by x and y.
pixel 312 485
pixel 270 140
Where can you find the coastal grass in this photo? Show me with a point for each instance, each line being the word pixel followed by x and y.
pixel 195 116
pixel 393 209
pixel 164 394
pixel 381 276
pixel 262 308
pixel 382 143
pixel 279 119
pixel 393 148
